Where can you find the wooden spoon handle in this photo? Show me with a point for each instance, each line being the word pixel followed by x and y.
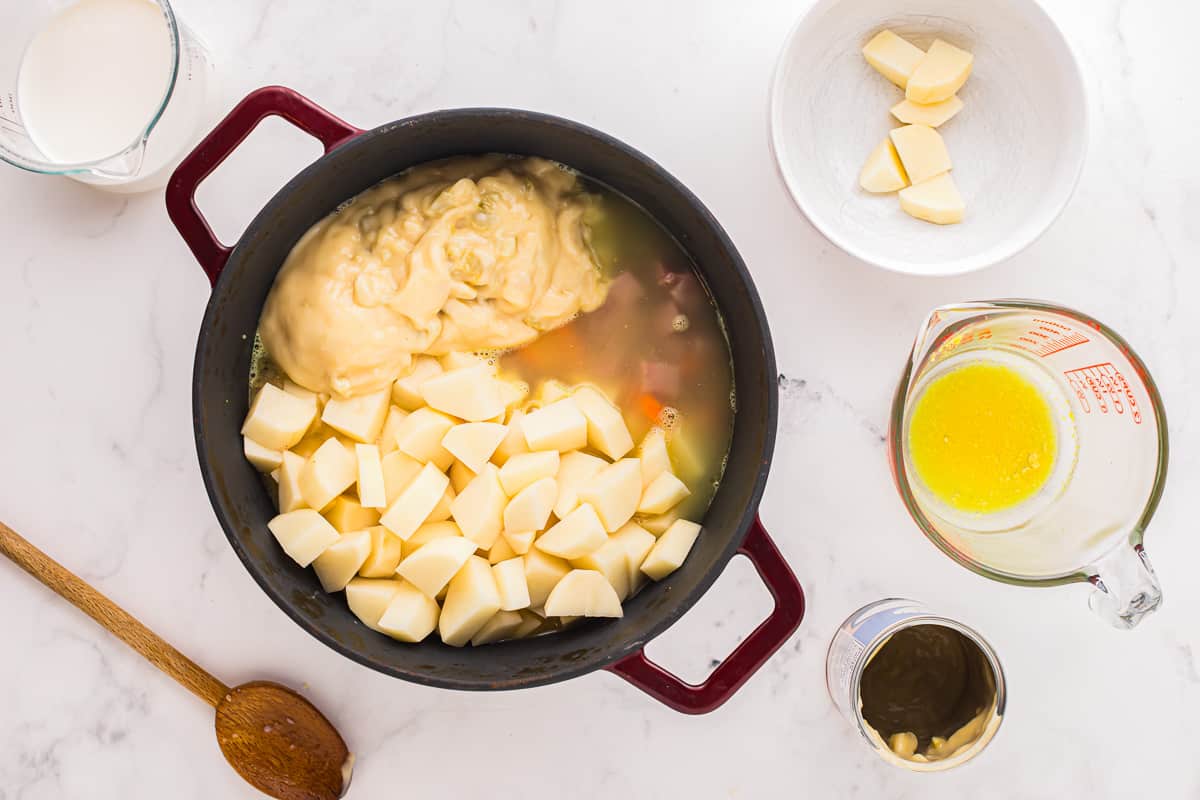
pixel 120 623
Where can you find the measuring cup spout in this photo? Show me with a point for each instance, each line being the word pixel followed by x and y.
pixel 1126 588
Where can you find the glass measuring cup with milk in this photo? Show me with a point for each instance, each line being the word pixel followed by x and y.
pixel 108 92
pixel 1029 443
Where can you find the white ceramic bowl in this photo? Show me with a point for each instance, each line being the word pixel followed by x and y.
pixel 1018 145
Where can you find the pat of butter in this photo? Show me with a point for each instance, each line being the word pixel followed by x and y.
pixel 883 171
pixel 940 74
pixel 935 200
pixel 933 114
pixel 922 152
pixel 895 58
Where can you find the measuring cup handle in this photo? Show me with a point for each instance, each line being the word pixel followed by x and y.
pixel 230 132
pixel 747 657
pixel 1126 587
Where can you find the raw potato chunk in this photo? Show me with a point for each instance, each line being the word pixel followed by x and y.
pixel 406 391
pixel 341 560
pixel 883 171
pixel 303 534
pixel 460 476
pixel 583 593
pixel 456 360
pixel 941 73
pixel 441 512
pixel 387 436
pixel 510 582
pixel 372 491
pixel 361 418
pixel 290 496
pixel 671 549
pixel 530 622
pixel 895 58
pixel 658 523
pixel 427 533
pixel 413 506
pixel 653 454
pixel 922 151
pixel 520 541
pixel 513 392
pixel 264 459
pixel 559 426
pixel 471 600
pixel 664 493
pixel 330 471
pixel 611 560
pixel 637 542
pixel 614 492
pixel 291 387
pixel 368 599
pixel 399 470
pixel 542 572
pixel 346 514
pixel 606 429
pixel 473 443
pixel 410 616
pixel 431 567
pixel 523 469
pixel 479 508
pixel 551 391
pixel 933 115
pixel 936 200
pixel 530 509
pixel 316 437
pixel 576 535
pixel 501 550
pixel 386 551
pixel 472 393
pixel 574 472
pixel 277 420
pixel 514 441
pixel 500 627
pixel 420 436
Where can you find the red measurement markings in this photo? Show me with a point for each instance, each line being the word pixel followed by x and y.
pixel 1104 386
pixel 1047 337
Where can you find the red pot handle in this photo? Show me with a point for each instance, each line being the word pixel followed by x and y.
pixel 747 657
pixel 268 101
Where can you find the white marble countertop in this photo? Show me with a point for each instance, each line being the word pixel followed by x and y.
pixel 101 306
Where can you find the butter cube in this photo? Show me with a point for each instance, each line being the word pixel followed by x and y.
pixel 664 493
pixel 514 440
pixel 420 435
pixel 361 418
pixel 583 593
pixel 671 549
pixel 391 424
pixel 410 616
pixel 479 508
pixel 519 541
pixel 471 600
pixel 347 514
pixel 472 393
pixel 542 573
pixel 372 491
pixel 406 391
pixel 530 508
pixel 894 58
pixel 441 512
pixel 460 476
pixel 432 566
pixel 413 506
pixel 653 454
pixel 328 472
pixel 606 429
pixel 277 420
pixel 399 470
pixel 933 114
pixel 883 171
pixel 386 551
pixel 264 459
pixel 559 426
pixel 501 626
pixel 290 496
pixel 500 550
pixel 936 200
pixel 428 533
pixel 524 469
pixel 368 599
pixel 341 560
pixel 574 536
pixel 575 470
pixel 614 492
pixel 922 151
pixel 941 73
pixel 510 582
pixel 473 443
pixel 303 534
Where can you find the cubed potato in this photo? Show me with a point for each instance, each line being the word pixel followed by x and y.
pixel 441 512
pixel 316 436
pixel 583 593
pixel 410 616
pixel 420 436
pixel 550 391
pixel 303 534
pixel 574 536
pixel 460 476
pixel 559 426
pixel 606 428
pixel 542 572
pixel 611 560
pixel 432 566
pixel 530 509
pixel 932 114
pixel 455 361
pixel 883 172
pixel 653 453
pixel 290 496
pixel 372 490
pixel 328 472
pixel 414 505
pixel 369 598
pixel 513 392
pixel 399 470
pixel 614 492
pixel 523 469
pixel 361 418
pixel 427 533
pixel 473 443
pixel 636 541
pixel 500 550
pixel 341 560
pixel 941 73
pixel 530 623
pixel 264 459
pixel 657 524
pixel 510 582
pixel 671 549
pixel 406 391
pixel 895 58
pixel 291 387
pixel 664 493
pixel 277 420
pixel 385 555
pixel 514 440
pixel 479 508
pixel 520 541
pixel 574 472
pixel 391 424
pixel 936 200
pixel 922 151
pixel 347 514
pixel 471 393
pixel 471 600
pixel 501 626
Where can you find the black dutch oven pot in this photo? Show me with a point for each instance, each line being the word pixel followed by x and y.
pixel 242 275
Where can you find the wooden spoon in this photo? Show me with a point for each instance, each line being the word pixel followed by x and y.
pixel 275 739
